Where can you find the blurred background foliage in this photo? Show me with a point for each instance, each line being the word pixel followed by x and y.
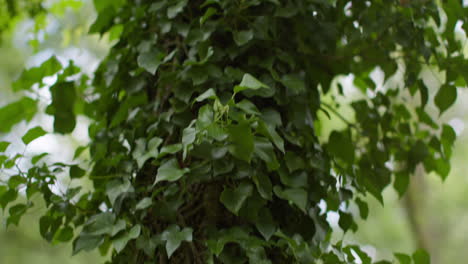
pixel 432 214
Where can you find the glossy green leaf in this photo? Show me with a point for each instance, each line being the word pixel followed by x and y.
pixel 13 113
pixel 242 37
pixel 249 82
pixel 170 171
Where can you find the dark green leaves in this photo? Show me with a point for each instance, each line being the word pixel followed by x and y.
pixel 233 199
pixel 150 60
pixel 62 107
pixel 445 97
pixel 32 134
pixel 242 139
pixel 341 146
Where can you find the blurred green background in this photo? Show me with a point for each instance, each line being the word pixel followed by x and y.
pixel 432 214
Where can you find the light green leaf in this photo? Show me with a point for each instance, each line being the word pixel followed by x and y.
pixel 174 237
pixel 170 171
pixel 420 256
pixel 150 60
pixel 176 9
pixel 4 145
pixel 99 224
pixel 233 199
pixel 123 239
pixel 403 258
pixel 208 94
pixel 36 74
pixel 169 149
pixel 248 107
pixel 86 243
pixel 144 203
pixel 117 187
pixel 13 113
pixel 445 97
pixel 32 134
pixel 242 37
pixel 249 82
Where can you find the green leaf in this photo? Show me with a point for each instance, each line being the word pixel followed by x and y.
pixel 233 199
pixel 242 139
pixel 297 196
pixel 99 224
pixel 265 223
pixel 170 149
pixel 144 203
pixel 64 234
pixel 117 187
pixel 294 83
pixel 363 208
pixel 32 134
pixel 62 107
pixel 121 241
pixel 208 94
pixel 150 60
pixel 13 113
pixel 76 172
pixel 170 171
pixel 249 82
pixel 36 74
pixel 248 107
pixel 86 243
pixel 265 151
pixel 445 97
pixel 341 146
pixel 4 145
pixel 174 237
pixel 176 9
pixel 403 258
pixel 264 185
pixel 420 256
pixel 242 37
pixel 37 158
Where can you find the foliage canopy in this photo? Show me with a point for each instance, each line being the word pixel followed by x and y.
pixel 206 142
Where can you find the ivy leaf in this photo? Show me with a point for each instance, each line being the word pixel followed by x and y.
pixel 208 94
pixel 340 145
pixel 176 9
pixel 174 237
pixel 118 187
pixel 420 256
pixel 150 60
pixel 120 242
pixel 36 74
pixel 265 223
pixel 233 199
pixel 294 83
pixel 265 151
pixel 363 208
pixel 144 203
pixel 4 145
pixel 170 171
pixel 62 107
pixel 76 172
pixel 403 258
pixel 32 134
pixel 297 196
pixel 242 37
pixel 242 141
pixel 86 243
pixel 445 97
pixel 11 114
pixel 249 82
